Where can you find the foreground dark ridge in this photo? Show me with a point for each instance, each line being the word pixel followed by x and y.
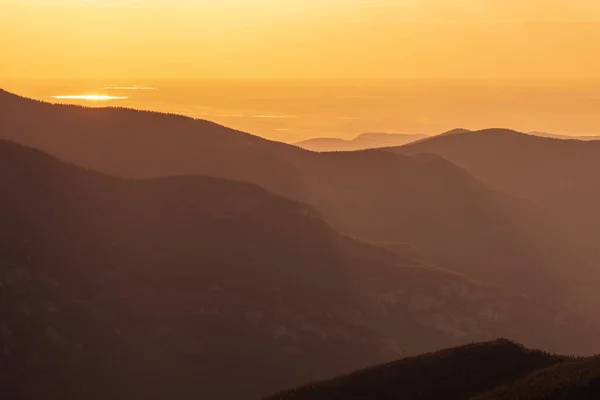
pixel 499 370
pixel 177 287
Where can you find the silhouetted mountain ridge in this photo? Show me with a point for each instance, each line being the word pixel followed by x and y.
pixel 496 370
pixel 455 132
pixel 576 379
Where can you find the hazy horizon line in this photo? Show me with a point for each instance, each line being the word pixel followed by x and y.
pixel 304 79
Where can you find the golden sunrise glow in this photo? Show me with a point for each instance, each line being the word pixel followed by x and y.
pixel 90 97
pixel 264 39
pixel 531 65
pixel 128 88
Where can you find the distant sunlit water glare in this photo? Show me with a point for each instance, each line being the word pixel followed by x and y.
pixel 292 111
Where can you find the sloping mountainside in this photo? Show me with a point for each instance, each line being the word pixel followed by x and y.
pixel 499 370
pixel 550 171
pixel 577 379
pixel 177 287
pixel 559 176
pixel 455 131
pixel 361 142
pixel 451 219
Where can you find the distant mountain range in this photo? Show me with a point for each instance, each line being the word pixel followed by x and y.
pixel 171 287
pixel 380 140
pixel 361 142
pixel 499 370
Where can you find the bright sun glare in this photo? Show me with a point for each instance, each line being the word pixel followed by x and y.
pixel 90 97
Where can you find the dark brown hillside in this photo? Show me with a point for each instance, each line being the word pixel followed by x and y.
pixel 175 287
pixel 185 282
pixel 577 379
pixel 453 374
pixel 141 144
pixel 499 370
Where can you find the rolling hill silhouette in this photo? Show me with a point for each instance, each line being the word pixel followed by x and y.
pixel 499 370
pixel 450 218
pixel 548 171
pixel 578 379
pixel 176 287
pixel 361 142
pixel 367 141
pixel 557 176
pixel 454 132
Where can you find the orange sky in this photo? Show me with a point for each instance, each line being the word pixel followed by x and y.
pixel 497 39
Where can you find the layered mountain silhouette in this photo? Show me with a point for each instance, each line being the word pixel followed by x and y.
pixel 499 370
pixel 361 142
pixel 177 287
pixel 448 217
pixel 578 379
pixel 558 176
pixel 548 171
pixel 367 141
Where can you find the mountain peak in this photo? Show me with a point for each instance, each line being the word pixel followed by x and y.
pixel 455 131
pixel 499 131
